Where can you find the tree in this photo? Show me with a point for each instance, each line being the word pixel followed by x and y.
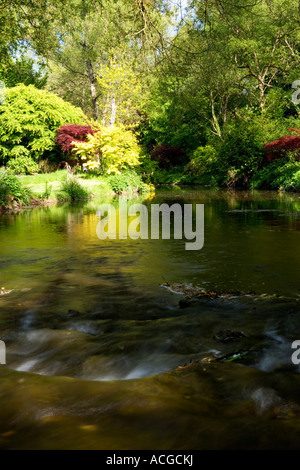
pixel 122 94
pixel 28 121
pixel 23 70
pixel 28 23
pixel 94 36
pixel 225 56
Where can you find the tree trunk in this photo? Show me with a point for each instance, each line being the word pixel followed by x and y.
pixel 93 81
pixel 262 98
pixel 113 111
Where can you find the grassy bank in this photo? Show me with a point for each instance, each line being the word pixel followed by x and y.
pixel 54 185
pixel 59 186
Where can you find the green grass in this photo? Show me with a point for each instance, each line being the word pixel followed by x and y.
pixel 41 178
pixel 55 182
pixel 74 189
pixel 91 184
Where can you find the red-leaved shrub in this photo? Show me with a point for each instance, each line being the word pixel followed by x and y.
pixel 279 148
pixel 72 133
pixel 167 156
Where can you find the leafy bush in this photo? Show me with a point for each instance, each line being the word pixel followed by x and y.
pixel 68 134
pixel 177 177
pixel 283 174
pixel 280 147
pixel 204 160
pixel 167 156
pixel 74 189
pixel 28 120
pixel 23 165
pixel 11 189
pixel 241 152
pixel 148 169
pixel 109 150
pixel 119 183
pixel 128 182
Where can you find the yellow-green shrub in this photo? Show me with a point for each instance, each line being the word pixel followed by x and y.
pixel 109 150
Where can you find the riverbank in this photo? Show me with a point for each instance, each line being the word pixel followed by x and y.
pixel 52 188
pixel 280 175
pixel 22 191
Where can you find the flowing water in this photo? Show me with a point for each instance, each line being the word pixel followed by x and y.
pixel 99 355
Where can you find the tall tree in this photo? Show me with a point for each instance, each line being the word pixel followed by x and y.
pixel 228 55
pixel 93 31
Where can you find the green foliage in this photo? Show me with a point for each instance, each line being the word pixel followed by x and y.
pixel 110 150
pixel 236 159
pixel 227 57
pixel 219 78
pixel 148 168
pixel 128 182
pixel 23 165
pixel 173 177
pixel 74 189
pixel 11 189
pixel 204 161
pixel 241 151
pixel 22 70
pixel 47 193
pixel 130 33
pixel 119 183
pixel 28 120
pixel 282 174
pixel 122 95
pixel 169 117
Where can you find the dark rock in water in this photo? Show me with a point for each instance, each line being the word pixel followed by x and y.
pixel 184 303
pixel 234 356
pixel 226 336
pixel 197 292
pixel 73 313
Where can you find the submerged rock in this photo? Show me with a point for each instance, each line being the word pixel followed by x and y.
pixel 197 292
pixel 226 336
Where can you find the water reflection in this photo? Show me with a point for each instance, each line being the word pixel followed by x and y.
pixel 95 309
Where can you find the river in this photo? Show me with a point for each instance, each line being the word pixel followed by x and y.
pixel 101 355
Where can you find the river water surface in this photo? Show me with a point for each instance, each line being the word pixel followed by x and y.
pixel 100 355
